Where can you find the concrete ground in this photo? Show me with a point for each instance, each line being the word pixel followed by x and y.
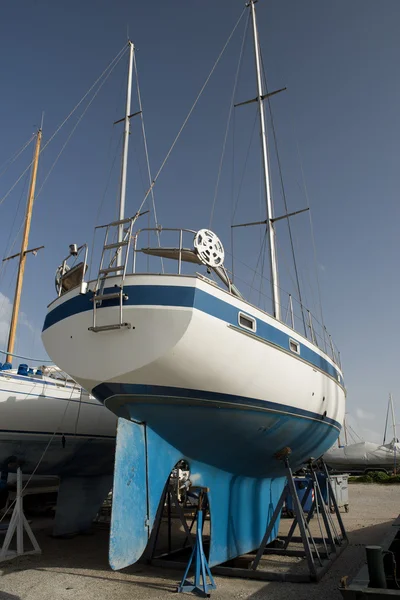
pixel 78 568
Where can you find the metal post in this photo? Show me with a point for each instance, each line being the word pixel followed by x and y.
pixel 124 165
pixel 267 183
pixel 180 252
pixel 376 570
pixel 331 345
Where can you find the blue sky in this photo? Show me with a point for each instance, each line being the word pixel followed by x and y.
pixel 339 114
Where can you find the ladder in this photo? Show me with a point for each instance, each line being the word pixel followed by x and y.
pixel 116 255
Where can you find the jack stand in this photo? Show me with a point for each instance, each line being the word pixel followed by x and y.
pixel 17 524
pixel 319 552
pixel 318 560
pixel 200 561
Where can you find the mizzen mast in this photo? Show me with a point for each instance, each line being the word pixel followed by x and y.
pixel 125 148
pixel 24 250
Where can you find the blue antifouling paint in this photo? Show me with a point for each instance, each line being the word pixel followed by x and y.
pixel 240 506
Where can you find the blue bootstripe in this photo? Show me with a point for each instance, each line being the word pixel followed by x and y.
pixel 188 297
pixel 139 391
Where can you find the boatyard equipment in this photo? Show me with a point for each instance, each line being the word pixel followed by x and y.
pixel 377 579
pixel 18 524
pixel 319 552
pixel 201 568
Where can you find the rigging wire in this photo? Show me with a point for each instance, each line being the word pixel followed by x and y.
pixel 110 66
pixel 6 251
pixel 192 109
pixel 100 207
pixel 76 125
pixel 231 107
pixel 312 234
pixel 146 153
pixel 283 192
pixel 7 164
pixel 244 168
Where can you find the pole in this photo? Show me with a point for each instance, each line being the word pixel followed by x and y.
pixel 345 430
pixel 125 148
pixel 267 183
pixel 394 432
pixel 24 247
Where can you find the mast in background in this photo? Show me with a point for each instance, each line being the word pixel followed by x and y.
pixel 24 250
pixel 394 434
pixel 267 182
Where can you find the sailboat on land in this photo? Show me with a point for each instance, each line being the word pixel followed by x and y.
pixel 195 372
pixel 49 425
pixel 362 456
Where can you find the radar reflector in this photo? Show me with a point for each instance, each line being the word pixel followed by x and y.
pixel 209 248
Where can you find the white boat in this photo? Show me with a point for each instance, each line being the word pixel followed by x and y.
pixel 197 372
pixel 49 425
pixel 362 457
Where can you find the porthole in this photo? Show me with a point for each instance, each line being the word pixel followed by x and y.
pixel 294 346
pixel 247 322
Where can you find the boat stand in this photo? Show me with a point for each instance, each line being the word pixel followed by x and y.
pixel 201 568
pixel 319 552
pixel 170 499
pixel 18 524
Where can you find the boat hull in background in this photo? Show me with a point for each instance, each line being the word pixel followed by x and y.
pixel 57 429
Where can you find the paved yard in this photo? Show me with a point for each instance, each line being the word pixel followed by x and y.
pixel 77 569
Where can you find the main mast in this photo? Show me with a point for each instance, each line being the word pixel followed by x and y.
pixel 125 148
pixel 265 160
pixel 24 248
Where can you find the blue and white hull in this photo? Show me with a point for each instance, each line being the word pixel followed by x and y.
pixel 224 396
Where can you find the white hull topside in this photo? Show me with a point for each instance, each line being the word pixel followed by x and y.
pixel 188 347
pixel 54 427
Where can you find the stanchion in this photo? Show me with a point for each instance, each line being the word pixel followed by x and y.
pixel 200 585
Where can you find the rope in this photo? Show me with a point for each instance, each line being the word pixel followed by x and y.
pixel 191 110
pixel 5 166
pixel 231 107
pixel 146 152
